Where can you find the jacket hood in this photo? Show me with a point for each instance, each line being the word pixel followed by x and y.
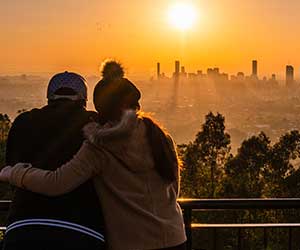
pixel 127 139
pixel 108 132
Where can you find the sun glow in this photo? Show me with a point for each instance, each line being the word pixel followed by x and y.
pixel 182 16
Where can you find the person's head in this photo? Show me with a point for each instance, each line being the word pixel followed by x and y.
pixel 67 86
pixel 114 93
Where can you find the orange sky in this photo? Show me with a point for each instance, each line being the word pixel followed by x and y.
pixel 55 35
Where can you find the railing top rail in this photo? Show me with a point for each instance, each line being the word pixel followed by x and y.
pixel 270 203
pixel 4 205
pixel 247 225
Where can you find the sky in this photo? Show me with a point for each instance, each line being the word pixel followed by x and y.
pixel 77 35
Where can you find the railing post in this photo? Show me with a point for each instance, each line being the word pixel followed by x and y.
pixel 239 239
pixel 265 238
pixel 214 239
pixel 187 214
pixel 290 238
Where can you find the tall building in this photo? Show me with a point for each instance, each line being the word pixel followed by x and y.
pixel 183 73
pixel 177 70
pixel 254 68
pixel 289 76
pixel 177 67
pixel 158 70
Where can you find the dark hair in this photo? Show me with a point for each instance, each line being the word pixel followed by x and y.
pixel 165 159
pixel 111 94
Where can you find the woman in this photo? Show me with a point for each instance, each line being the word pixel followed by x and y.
pixel 134 166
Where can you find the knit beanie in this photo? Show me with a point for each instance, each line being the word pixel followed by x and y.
pixel 113 89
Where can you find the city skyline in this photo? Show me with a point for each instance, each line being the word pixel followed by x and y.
pixel 180 71
pixel 289 72
pixel 55 35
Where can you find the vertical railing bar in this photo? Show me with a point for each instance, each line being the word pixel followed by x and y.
pixel 215 238
pixel 240 238
pixel 187 213
pixel 290 238
pixel 265 238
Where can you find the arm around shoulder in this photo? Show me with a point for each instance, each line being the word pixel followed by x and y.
pixel 84 165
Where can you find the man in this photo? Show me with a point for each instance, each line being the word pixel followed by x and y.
pixel 49 137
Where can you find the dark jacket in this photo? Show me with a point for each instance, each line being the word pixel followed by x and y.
pixel 47 138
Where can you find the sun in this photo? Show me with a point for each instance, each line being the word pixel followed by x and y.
pixel 182 16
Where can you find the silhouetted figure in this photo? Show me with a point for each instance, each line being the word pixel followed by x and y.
pixel 49 137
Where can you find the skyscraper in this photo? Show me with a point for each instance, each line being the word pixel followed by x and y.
pixel 177 70
pixel 158 70
pixel 254 68
pixel 289 75
pixel 183 73
pixel 177 67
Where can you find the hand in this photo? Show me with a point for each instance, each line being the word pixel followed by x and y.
pixel 5 174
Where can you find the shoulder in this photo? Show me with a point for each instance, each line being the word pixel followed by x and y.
pixel 92 154
pixel 25 117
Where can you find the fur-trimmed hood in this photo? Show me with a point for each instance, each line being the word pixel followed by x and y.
pixel 98 134
pixel 126 139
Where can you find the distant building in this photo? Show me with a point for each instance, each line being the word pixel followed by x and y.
pixel 273 78
pixel 254 68
pixel 177 67
pixel 183 73
pixel 192 75
pixel 289 76
pixel 213 73
pixel 177 70
pixel 216 71
pixel 233 78
pixel 209 71
pixel 240 76
pixel 224 77
pixel 158 70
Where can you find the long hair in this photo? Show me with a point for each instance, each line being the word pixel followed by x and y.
pixel 165 157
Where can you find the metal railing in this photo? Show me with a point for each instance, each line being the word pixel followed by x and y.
pixel 190 205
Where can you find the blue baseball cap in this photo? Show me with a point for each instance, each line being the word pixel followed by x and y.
pixel 67 80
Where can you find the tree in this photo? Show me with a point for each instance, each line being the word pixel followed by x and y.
pixel 245 171
pixel 5 124
pixel 204 159
pixel 281 174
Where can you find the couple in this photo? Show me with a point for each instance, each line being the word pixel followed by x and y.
pixel 127 163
